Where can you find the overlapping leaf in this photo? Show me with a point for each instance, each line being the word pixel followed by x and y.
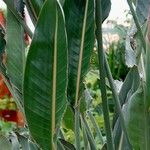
pixel 142 9
pixel 34 8
pixel 106 6
pixel 136 110
pixel 128 88
pixel 15 49
pixel 137 121
pixel 80 31
pixel 130 54
pixel 130 85
pixel 46 75
pixel 67 145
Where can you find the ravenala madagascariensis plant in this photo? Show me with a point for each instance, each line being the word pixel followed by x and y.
pixel 46 77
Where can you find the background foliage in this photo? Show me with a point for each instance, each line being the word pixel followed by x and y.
pixel 73 86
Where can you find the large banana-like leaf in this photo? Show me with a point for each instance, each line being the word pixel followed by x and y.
pixel 136 110
pixel 12 5
pixel 128 88
pixel 136 118
pixel 46 75
pixel 80 30
pixel 15 49
pixel 130 85
pixel 136 33
pixel 142 8
pixel 147 64
pixel 34 8
pixel 106 6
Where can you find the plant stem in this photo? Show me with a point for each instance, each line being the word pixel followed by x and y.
pixel 77 128
pixel 116 98
pixel 98 131
pixel 89 134
pixel 60 146
pixel 147 86
pixel 85 138
pixel 110 143
pixel 137 24
pixel 147 68
pixel 18 17
pixel 121 141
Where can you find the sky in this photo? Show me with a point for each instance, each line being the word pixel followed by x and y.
pixel 117 10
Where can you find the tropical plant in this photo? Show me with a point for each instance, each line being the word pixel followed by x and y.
pixel 47 77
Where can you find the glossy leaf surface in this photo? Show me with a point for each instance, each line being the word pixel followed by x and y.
pixel 15 50
pixel 80 30
pixel 34 8
pixel 46 75
pixel 142 9
pixel 137 121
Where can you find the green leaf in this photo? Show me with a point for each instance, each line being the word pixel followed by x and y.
pixel 137 23
pixel 147 69
pixel 80 30
pixel 130 54
pixel 85 138
pixel 18 15
pixel 2 48
pixel 60 146
pixel 96 127
pixel 46 75
pixel 128 88
pixel 130 85
pixel 68 118
pixel 142 9
pixel 15 60
pixel 5 143
pixel 137 110
pixel 67 145
pixel 106 6
pixel 34 8
pixel 104 70
pixel 2 41
pixel 88 133
pixel 136 118
pixel 77 129
pixel 26 144
pixel 15 49
pixel 62 2
pixel 14 141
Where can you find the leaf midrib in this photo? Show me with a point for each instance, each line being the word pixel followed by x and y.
pixel 54 78
pixel 81 53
